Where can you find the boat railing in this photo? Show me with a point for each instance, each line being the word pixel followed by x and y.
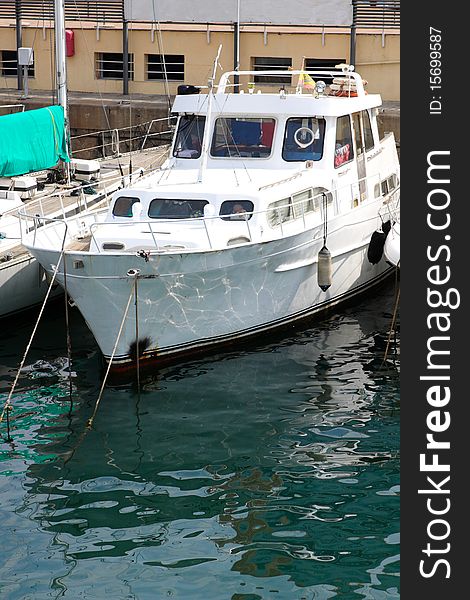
pixel 284 77
pixel 61 206
pixel 293 216
pixel 115 142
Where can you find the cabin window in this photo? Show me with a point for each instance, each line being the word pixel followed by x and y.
pixel 368 136
pixel 188 142
pixel 170 64
pixel 267 63
pixel 343 147
pixel 242 137
pixel 110 65
pixel 10 64
pixel 302 203
pixel 123 206
pixel 236 210
pixel 386 186
pixel 162 208
pixel 279 212
pixel 358 133
pixel 303 139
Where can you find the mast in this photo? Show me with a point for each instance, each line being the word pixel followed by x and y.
pixel 60 66
pixel 206 140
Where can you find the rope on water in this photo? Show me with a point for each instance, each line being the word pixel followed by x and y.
pixel 68 338
pixel 394 317
pixel 91 419
pixel 7 405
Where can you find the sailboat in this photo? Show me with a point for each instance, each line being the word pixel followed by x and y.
pixel 36 170
pixel 261 216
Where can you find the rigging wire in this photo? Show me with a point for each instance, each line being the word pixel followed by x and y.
pixel 162 55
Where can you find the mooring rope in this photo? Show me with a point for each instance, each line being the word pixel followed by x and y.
pixel 91 419
pixel 394 316
pixel 7 405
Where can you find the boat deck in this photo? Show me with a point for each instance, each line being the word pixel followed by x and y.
pixel 65 200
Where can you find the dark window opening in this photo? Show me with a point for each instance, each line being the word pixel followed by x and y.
pixel 369 138
pixel 236 210
pixel 110 65
pixel 172 64
pixel 242 137
pixel 266 63
pixel 344 151
pixel 161 208
pixel 188 142
pixel 323 63
pixel 10 64
pixel 123 206
pixel 303 139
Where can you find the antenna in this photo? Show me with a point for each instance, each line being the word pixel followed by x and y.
pixel 205 143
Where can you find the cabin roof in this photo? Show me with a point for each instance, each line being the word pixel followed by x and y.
pixel 269 104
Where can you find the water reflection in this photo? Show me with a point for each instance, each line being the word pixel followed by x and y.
pixel 273 473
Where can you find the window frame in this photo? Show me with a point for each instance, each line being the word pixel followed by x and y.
pixel 285 80
pixel 351 143
pixel 178 133
pixel 100 61
pixel 321 120
pixel 368 120
pixel 245 118
pixel 230 216
pixel 177 217
pixel 135 199
pixel 328 64
pixel 14 69
pixel 160 75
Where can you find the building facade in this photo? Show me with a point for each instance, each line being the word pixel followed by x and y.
pixel 165 49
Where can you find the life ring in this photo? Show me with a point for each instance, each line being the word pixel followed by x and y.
pixel 306 131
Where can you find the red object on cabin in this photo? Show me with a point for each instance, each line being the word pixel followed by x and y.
pixel 267 132
pixel 69 42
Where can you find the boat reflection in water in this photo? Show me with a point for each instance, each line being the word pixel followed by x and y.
pixel 260 474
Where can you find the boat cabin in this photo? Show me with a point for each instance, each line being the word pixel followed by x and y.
pixel 245 166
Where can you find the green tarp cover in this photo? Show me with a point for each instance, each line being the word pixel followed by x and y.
pixel 32 140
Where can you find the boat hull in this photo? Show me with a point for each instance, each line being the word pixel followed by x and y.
pixel 23 285
pixel 190 302
pixel 392 245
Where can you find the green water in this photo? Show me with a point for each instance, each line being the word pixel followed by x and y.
pixel 271 473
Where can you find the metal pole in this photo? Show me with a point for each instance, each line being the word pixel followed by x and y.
pixel 60 61
pixel 352 51
pixel 125 57
pixel 352 48
pixel 19 41
pixel 236 49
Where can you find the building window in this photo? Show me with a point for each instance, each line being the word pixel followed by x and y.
pixel 173 64
pixel 265 63
pixel 109 65
pixel 323 63
pixel 344 148
pixel 10 64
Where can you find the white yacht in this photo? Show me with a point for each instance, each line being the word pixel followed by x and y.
pixel 262 215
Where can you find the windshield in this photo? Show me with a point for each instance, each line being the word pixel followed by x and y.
pixel 188 143
pixel 242 137
pixel 303 139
